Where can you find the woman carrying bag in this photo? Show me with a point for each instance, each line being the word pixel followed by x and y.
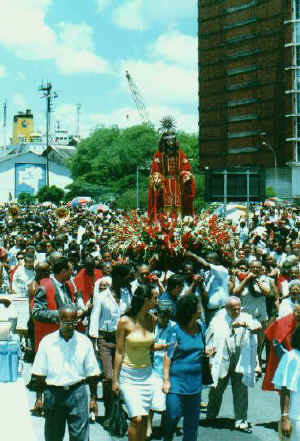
pixel 133 370
pixel 182 370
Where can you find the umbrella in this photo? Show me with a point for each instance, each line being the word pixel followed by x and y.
pixel 269 203
pixel 48 204
pixel 80 200
pixel 98 207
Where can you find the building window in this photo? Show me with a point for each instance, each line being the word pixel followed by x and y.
pixel 231 72
pixel 297 9
pixel 297 32
pixel 238 118
pixel 242 85
pixel 240 24
pixel 241 7
pixel 243 134
pixel 235 103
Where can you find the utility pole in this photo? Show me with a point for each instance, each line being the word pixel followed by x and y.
pixel 49 95
pixel 78 107
pixel 4 126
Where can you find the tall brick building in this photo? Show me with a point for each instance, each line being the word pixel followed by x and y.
pixel 249 88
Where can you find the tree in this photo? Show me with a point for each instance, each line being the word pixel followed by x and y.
pixel 105 164
pixel 53 194
pixel 26 199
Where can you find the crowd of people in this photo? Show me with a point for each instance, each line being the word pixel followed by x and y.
pixel 143 327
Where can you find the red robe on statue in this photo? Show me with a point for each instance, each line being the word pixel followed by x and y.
pixel 168 189
pixel 281 330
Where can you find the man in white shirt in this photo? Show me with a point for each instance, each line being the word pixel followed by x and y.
pixel 230 333
pixel 64 362
pixel 216 283
pixel 23 276
pixel 287 305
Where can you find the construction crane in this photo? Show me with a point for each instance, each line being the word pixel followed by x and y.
pixel 138 99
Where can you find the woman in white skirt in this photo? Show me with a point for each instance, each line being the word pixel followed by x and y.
pixel 132 370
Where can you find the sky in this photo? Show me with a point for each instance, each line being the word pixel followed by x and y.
pixel 84 47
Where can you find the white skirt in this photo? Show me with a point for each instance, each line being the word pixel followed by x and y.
pixel 137 390
pixel 159 397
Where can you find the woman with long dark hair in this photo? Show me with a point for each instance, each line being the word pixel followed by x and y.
pixel 132 370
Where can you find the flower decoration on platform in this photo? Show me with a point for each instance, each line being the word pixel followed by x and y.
pixel 205 233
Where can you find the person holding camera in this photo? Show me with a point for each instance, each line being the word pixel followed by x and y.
pixel 253 291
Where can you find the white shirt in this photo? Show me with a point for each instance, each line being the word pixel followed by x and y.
pixel 21 280
pixel 286 307
pixel 106 312
pixel 65 362
pixel 217 286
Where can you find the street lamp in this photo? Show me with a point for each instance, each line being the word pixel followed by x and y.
pixel 139 167
pixel 270 147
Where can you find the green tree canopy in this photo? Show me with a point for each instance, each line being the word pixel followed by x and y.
pixel 105 164
pixel 53 194
pixel 26 198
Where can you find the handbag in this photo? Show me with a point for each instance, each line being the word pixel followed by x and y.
pixel 207 379
pixel 116 423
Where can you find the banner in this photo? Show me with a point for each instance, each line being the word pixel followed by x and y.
pixel 29 178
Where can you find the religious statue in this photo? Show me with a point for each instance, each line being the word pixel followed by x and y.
pixel 172 186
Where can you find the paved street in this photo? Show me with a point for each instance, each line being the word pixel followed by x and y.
pixel 263 414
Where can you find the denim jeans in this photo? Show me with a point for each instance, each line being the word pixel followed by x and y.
pixel 186 406
pixel 66 407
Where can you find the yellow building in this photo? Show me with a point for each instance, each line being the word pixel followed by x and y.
pixel 23 127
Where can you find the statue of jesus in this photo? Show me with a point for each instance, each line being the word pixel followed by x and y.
pixel 172 186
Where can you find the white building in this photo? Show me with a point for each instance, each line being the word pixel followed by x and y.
pixel 24 169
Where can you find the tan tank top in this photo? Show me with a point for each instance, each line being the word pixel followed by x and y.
pixel 137 349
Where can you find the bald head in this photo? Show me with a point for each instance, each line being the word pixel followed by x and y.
pixel 42 270
pixel 233 307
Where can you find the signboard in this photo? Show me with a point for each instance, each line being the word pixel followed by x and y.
pixel 29 178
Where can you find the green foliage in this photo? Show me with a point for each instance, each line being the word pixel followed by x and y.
pixel 26 199
pixel 105 164
pixel 53 194
pixel 270 192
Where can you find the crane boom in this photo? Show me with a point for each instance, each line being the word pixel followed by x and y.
pixel 138 99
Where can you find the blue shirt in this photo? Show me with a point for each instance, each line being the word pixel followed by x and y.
pixel 168 298
pixel 161 336
pixel 186 364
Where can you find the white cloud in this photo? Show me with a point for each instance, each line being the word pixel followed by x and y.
pixel 21 76
pixel 20 101
pixel 3 71
pixel 160 82
pixel 129 15
pixel 75 51
pixel 102 4
pixel 177 47
pixel 140 14
pixel 24 31
pixel 123 117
